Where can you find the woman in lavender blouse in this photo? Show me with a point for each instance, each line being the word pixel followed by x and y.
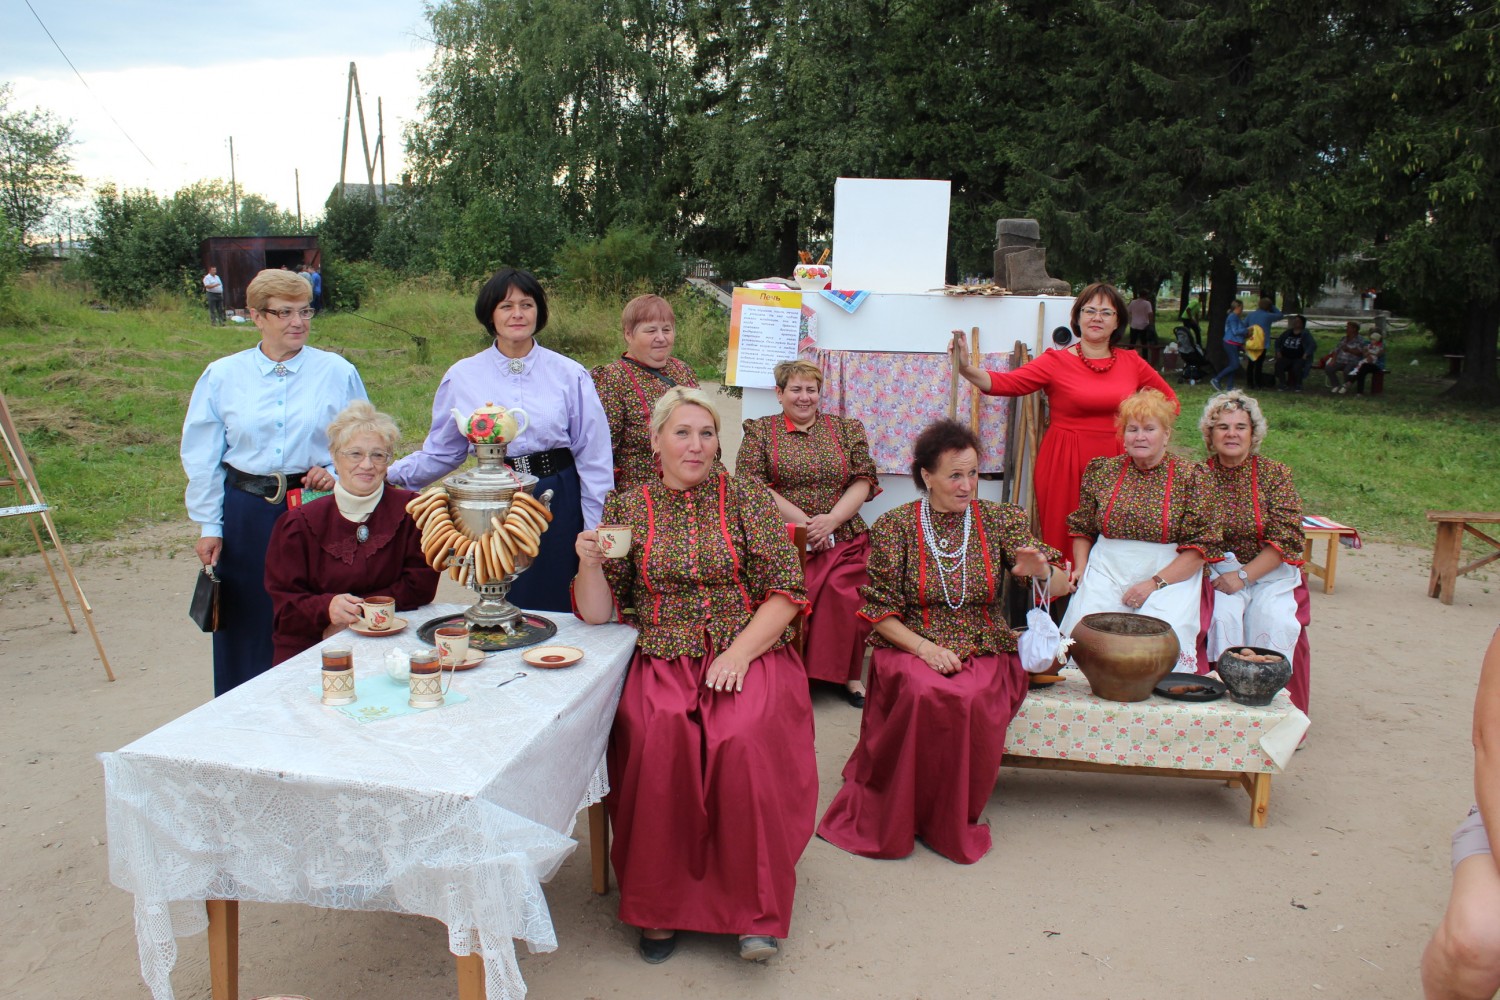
pixel 566 445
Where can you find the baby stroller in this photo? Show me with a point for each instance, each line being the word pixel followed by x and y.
pixel 1190 353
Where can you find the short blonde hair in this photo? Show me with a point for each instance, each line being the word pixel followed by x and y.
pixel 676 397
pixel 785 371
pixel 1234 399
pixel 359 417
pixel 1144 405
pixel 274 283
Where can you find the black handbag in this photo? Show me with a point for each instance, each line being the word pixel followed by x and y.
pixel 204 609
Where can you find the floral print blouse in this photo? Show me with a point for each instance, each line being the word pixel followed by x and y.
pixel 810 468
pixel 1260 506
pixel 1172 503
pixel 701 561
pixel 628 390
pixel 905 580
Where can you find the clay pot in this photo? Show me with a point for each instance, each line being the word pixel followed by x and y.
pixel 1124 655
pixel 1252 683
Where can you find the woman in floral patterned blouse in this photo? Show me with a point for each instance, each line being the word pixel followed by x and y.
pixel 713 782
pixel 1258 593
pixel 945 680
pixel 819 471
pixel 630 385
pixel 1145 525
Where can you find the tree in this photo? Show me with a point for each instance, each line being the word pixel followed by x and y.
pixel 349 227
pixel 36 167
pixel 139 243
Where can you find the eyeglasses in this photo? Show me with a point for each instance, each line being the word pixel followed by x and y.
pixel 358 457
pixel 1093 313
pixel 285 314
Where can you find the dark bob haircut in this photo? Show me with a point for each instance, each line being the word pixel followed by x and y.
pixel 1116 302
pixel 498 287
pixel 935 441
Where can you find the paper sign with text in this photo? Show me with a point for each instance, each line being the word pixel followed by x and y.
pixel 763 329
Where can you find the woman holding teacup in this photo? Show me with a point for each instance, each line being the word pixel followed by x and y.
pixel 630 385
pixel 325 554
pixel 1145 526
pixel 713 782
pixel 1258 592
pixel 565 440
pixel 945 680
pixel 819 471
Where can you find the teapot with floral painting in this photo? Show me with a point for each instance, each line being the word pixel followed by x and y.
pixel 492 424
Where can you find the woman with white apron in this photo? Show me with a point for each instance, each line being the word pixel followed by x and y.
pixel 1144 527
pixel 1257 595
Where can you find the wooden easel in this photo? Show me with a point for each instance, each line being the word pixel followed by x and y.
pixel 19 473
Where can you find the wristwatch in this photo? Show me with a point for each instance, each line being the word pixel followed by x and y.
pixel 1160 583
pixel 1244 577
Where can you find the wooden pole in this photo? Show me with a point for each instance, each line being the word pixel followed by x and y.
pixel 297 180
pixel 974 390
pixel 234 194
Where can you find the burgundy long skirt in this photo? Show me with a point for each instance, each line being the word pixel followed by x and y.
pixel 834 648
pixel 928 756
pixel 1299 687
pixel 713 796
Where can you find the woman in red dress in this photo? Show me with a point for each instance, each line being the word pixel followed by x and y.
pixel 713 781
pixel 324 556
pixel 945 680
pixel 1085 385
pixel 630 385
pixel 819 471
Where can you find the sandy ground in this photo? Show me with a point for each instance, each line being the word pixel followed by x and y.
pixel 1099 885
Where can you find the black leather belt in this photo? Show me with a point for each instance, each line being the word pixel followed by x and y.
pixel 270 488
pixel 542 463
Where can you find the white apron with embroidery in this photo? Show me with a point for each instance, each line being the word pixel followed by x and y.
pixel 1263 613
pixel 1115 564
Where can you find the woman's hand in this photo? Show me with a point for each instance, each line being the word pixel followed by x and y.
pixel 344 610
pixel 1228 583
pixel 590 552
pixel 1029 561
pixel 727 672
pixel 318 478
pixel 820 531
pixel 1137 594
pixel 1075 574
pixel 944 661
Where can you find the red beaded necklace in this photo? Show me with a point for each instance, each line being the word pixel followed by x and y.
pixel 1097 369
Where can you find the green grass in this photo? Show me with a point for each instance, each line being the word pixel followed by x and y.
pixel 99 397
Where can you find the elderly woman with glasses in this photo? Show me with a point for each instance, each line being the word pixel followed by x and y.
pixel 1085 385
pixel 327 555
pixel 1257 594
pixel 255 429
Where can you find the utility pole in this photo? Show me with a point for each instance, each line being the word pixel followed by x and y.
pixel 380 144
pixel 234 193
pixel 354 104
pixel 297 181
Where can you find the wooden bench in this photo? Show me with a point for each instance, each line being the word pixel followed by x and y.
pixel 1451 526
pixel 1329 568
pixel 1455 365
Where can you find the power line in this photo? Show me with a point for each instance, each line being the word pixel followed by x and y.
pixel 85 83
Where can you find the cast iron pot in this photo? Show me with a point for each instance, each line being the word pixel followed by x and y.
pixel 1124 655
pixel 1252 683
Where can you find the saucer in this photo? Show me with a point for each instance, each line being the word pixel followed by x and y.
pixel 376 633
pixel 474 659
pixel 551 657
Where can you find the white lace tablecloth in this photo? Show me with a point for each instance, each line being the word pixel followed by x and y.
pixel 459 813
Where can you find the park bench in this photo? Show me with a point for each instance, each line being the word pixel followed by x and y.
pixel 1451 526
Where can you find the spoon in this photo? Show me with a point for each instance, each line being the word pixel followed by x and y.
pixel 518 675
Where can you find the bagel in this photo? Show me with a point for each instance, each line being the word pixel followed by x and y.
pixel 503 558
pixel 424 506
pixel 534 504
pixel 526 528
pixel 431 545
pixel 522 539
pixel 526 518
pixel 447 539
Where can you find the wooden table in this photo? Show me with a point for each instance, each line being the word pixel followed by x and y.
pixel 264 794
pixel 1066 727
pixel 1329 568
pixel 1451 527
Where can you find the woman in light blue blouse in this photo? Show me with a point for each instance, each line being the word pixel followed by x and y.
pixel 256 427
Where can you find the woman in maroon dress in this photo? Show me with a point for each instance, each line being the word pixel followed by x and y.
pixel 713 782
pixel 1085 385
pixel 358 541
pixel 945 680
pixel 630 385
pixel 819 470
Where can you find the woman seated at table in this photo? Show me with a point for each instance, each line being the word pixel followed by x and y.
pixel 325 556
pixel 713 782
pixel 945 680
pixel 820 472
pixel 1144 527
pixel 1258 593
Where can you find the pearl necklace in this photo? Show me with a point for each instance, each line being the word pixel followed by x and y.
pixel 1096 369
pixel 956 558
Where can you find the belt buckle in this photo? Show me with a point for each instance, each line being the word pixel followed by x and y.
pixel 280 478
pixel 523 464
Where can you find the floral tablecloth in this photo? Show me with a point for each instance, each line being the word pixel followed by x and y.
pixel 1067 721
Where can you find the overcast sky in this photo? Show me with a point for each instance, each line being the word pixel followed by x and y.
pixel 181 78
